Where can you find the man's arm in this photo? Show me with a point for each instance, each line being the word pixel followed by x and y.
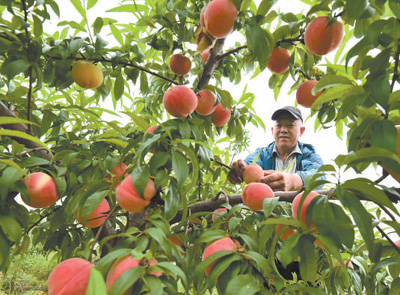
pixel 280 181
pixel 235 175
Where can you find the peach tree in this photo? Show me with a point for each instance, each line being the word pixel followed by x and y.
pixel 105 162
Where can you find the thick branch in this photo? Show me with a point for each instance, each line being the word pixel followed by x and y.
pixel 210 64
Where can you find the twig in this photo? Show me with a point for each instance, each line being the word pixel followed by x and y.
pixel 290 40
pixel 41 218
pixel 233 51
pixel 99 232
pixel 338 14
pixel 396 63
pixel 384 175
pixel 29 109
pixel 304 74
pixel 30 151
pixel 220 163
pixel 387 238
pixel 129 64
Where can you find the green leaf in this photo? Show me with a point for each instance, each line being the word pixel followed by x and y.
pixel 117 34
pixel 13 164
pixel 97 25
pixel 288 252
pixel 157 234
pixel 324 214
pixel 308 258
pixel 384 263
pixel 91 3
pixel 33 162
pixel 154 284
pixel 20 134
pixel 180 166
pixel 96 284
pixel 261 262
pixel 243 284
pixel 222 265
pixel 395 7
pixel 4 250
pixel 329 81
pixel 189 151
pixel 172 201
pixel 200 268
pixel 90 204
pixel 260 44
pixel 265 6
pixel 11 228
pixel 368 189
pixel 123 8
pixel 118 87
pixel 13 68
pixel 355 8
pixel 211 235
pixel 336 92
pixel 173 269
pixel 269 205
pixel 384 135
pixel 158 160
pixel 78 6
pixel 360 215
pixel 140 177
pixel 126 280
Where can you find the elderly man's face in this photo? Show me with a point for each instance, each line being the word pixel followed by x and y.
pixel 286 132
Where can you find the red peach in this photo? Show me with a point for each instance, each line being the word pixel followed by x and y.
pixel 253 173
pixel 70 277
pixel 304 94
pixel 129 199
pixel 216 213
pixel 254 194
pixel 151 129
pixel 206 101
pixel 117 172
pixel 180 101
pixel 98 216
pixel 219 17
pixel 284 231
pixel 222 244
pixel 220 115
pixel 306 203
pixel 42 190
pixel 279 60
pixel 180 64
pixel 204 56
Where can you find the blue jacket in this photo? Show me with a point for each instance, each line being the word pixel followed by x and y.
pixel 307 163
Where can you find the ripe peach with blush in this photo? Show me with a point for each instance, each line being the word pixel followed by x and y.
pixel 206 101
pixel 253 173
pixel 217 212
pixel 204 56
pixel 254 194
pixel 219 17
pixel 180 101
pixel 98 216
pixel 42 190
pixel 306 203
pixel 222 244
pixel 70 277
pixel 180 64
pixel 86 74
pixel 279 60
pixel 221 115
pixel 128 198
pixel 304 94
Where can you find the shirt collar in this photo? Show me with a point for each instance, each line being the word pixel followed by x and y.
pixel 296 150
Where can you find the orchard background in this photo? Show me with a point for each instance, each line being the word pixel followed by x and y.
pixel 50 124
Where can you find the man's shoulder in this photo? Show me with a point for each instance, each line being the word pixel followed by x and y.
pixel 307 148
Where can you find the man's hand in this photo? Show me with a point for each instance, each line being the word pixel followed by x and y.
pixel 280 181
pixel 235 175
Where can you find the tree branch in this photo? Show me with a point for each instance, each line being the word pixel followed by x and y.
pixel 396 64
pixel 233 51
pixel 129 64
pixel 210 64
pixel 389 239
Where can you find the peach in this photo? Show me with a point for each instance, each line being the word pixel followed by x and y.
pixel 117 173
pixel 129 199
pixel 216 213
pixel 306 203
pixel 221 115
pixel 219 17
pixel 204 56
pixel 86 74
pixel 42 190
pixel 321 37
pixel 397 243
pixel 98 216
pixel 123 264
pixel 70 277
pixel 222 244
pixel 180 101
pixel 252 173
pixel 279 60
pixel 175 240
pixel 304 95
pixel 180 64
pixel 254 194
pixel 206 101
pixel 284 231
pixel 151 129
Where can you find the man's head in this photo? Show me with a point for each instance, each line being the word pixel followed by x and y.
pixel 287 127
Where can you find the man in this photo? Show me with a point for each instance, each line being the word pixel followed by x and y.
pixel 286 161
